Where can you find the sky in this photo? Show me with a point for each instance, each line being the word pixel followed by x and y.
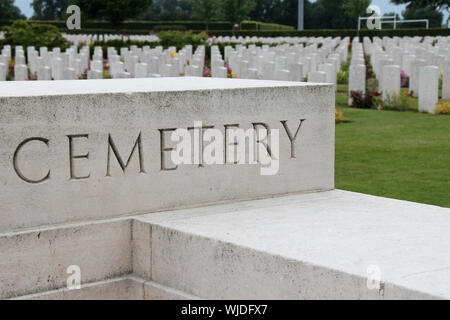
pixel 384 5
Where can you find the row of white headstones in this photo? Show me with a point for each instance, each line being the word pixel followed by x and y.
pixel 420 59
pixel 282 62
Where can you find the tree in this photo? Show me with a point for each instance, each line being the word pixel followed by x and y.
pixel 205 10
pixel 115 11
pixel 392 14
pixel 420 4
pixel 49 9
pixel 355 8
pixel 234 11
pixel 329 15
pixel 434 16
pixel 8 11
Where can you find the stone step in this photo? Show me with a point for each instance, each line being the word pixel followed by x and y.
pixel 326 245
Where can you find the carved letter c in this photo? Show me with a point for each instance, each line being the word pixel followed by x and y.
pixel 19 147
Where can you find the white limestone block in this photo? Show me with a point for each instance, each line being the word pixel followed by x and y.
pixel 145 110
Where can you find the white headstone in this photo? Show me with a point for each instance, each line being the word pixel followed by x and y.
pixel 391 81
pixel 3 71
pixel 97 65
pixel 219 72
pixel 44 73
pixel 296 71
pixel 414 77
pixel 357 80
pixel 330 71
pixel 69 74
pixel 428 88
pixel 20 72
pixel 317 77
pixel 94 74
pixel 446 84
pixel 140 70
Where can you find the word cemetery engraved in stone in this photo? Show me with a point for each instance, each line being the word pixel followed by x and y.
pixel 137 149
pixel 95 149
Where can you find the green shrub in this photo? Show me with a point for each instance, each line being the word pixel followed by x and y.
pixel 364 101
pixel 169 28
pixel 396 102
pixel 339 116
pixel 339 33
pixel 342 77
pixel 345 66
pixel 179 39
pixel 26 33
pixel 443 108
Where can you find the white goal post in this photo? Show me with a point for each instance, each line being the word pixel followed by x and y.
pixel 393 20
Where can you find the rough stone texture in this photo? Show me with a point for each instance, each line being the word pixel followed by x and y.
pixel 37 260
pixel 303 246
pixel 125 108
pixel 309 246
pixel 142 249
pixel 122 288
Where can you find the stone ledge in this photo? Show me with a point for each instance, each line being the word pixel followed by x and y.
pixel 304 246
pixel 123 288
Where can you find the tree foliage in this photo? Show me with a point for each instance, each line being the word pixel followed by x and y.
pixel 434 16
pixel 434 5
pixel 169 10
pixel 8 11
pixel 234 11
pixel 355 8
pixel 115 11
pixel 205 10
pixel 49 9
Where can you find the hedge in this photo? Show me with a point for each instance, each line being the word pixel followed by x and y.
pixel 147 26
pixel 304 33
pixel 338 33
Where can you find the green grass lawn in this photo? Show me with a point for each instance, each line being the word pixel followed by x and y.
pixel 401 155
